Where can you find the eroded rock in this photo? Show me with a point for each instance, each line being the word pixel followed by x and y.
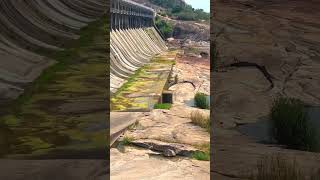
pixel 167 149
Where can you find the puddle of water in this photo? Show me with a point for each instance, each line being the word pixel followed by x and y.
pixel 191 102
pixel 261 129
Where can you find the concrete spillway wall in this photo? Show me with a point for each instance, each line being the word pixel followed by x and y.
pixel 134 40
pixel 29 26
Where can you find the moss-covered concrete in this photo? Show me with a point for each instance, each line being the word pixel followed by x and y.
pixel 65 108
pixel 144 88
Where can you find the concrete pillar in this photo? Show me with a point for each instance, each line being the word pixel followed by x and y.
pixel 125 14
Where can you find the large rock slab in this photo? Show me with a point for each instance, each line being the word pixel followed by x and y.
pixel 137 164
pixel 283 37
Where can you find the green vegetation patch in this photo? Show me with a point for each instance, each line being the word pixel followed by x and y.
pixel 203 154
pixel 65 59
pixel 162 106
pixel 143 89
pixel 164 27
pixel 291 126
pixel 48 116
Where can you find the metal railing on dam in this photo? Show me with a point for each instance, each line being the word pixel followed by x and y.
pixel 126 13
pixel 134 41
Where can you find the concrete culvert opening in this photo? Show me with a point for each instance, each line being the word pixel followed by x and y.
pixel 167 97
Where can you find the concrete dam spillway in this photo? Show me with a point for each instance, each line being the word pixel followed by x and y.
pixel 28 27
pixel 134 40
pixel 53 61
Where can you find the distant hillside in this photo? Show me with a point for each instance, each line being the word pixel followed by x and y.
pixel 160 4
pixel 178 19
pixel 169 3
pixel 176 9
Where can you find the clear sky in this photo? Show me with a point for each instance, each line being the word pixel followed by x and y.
pixel 200 4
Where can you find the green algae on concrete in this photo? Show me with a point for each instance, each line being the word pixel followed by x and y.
pixel 64 109
pixel 144 88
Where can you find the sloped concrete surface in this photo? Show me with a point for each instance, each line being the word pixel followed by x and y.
pixel 28 27
pixel 130 49
pixel 54 170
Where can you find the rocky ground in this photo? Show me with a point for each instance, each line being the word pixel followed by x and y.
pixel 167 128
pixel 282 36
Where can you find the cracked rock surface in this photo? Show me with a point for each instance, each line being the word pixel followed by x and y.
pixel 281 35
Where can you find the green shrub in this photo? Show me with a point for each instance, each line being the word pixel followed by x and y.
pixel 162 106
pixel 201 101
pixel 164 27
pixel 204 152
pixel 202 156
pixel 290 125
pixel 276 168
pixel 201 120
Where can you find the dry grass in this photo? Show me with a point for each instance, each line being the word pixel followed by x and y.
pixel 200 119
pixel 276 167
